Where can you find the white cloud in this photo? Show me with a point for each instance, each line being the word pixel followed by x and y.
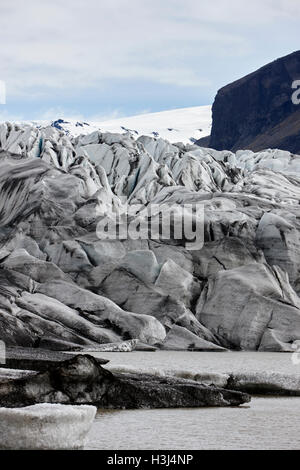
pixel 9 117
pixel 76 44
pixel 73 115
pixel 59 112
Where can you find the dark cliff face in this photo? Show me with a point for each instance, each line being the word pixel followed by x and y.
pixel 257 112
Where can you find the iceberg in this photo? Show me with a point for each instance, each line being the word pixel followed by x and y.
pixel 45 427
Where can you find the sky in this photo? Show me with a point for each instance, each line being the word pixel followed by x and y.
pixel 100 59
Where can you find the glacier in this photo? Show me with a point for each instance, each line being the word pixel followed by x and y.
pixel 63 287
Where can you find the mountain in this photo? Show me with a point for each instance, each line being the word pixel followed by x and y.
pixel 257 112
pixel 179 125
pixel 66 282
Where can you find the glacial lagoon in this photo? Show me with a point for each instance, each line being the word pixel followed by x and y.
pixel 265 423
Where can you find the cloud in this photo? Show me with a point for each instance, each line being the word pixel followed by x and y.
pixel 5 116
pixel 73 115
pixel 242 12
pixel 2 92
pixel 59 111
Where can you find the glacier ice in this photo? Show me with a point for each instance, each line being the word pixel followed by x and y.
pixel 60 283
pixel 45 426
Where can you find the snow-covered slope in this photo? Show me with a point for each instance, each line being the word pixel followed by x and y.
pixel 179 125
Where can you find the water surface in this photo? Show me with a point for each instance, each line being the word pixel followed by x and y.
pixel 265 423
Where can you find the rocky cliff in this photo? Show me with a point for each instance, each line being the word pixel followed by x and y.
pixel 64 286
pixel 257 112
